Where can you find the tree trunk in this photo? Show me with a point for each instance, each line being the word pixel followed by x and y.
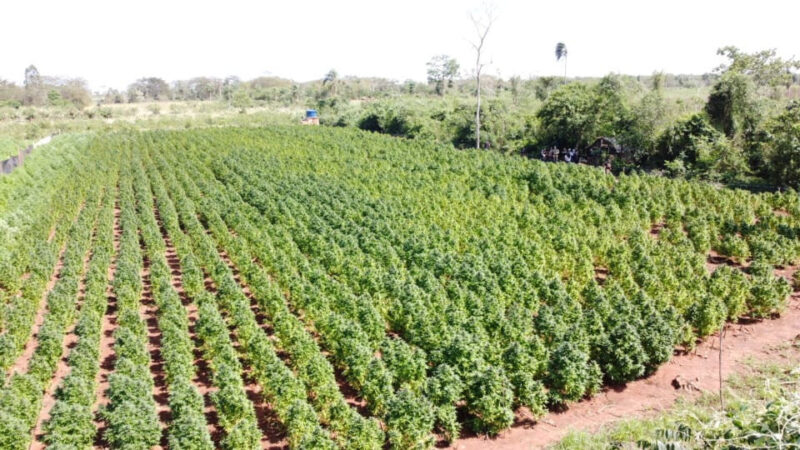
pixel 478 113
pixel 721 395
pixel 482 30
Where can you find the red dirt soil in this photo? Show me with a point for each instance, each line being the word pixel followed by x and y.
pixel 21 364
pixel 655 393
pixel 273 433
pixel 655 230
pixel 147 311
pixel 202 380
pixel 107 328
pixel 350 394
pixel 715 260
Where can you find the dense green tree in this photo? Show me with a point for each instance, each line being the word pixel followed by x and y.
pixel 35 92
pixel 331 83
pixel 241 100
pixel 543 86
pixel 683 139
pixel 576 114
pixel 442 70
pixel 783 148
pixel 568 117
pixel 731 106
pixel 639 130
pixel 765 68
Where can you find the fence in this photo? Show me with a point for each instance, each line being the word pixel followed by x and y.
pixel 8 165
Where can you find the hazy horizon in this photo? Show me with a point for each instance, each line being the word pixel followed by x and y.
pixel 111 45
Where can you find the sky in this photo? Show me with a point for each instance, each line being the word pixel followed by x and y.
pixel 111 43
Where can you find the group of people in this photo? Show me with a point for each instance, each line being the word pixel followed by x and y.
pixel 555 154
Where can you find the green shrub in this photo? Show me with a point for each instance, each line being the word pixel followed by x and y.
pixel 409 421
pixel 571 375
pixel 490 398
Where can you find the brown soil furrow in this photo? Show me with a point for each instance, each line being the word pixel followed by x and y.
pixel 350 394
pixel 62 368
pixel 600 275
pixel 147 310
pixel 21 364
pixel 648 396
pixel 655 230
pixel 260 315
pixel 715 260
pixel 107 328
pixel 273 433
pixel 202 380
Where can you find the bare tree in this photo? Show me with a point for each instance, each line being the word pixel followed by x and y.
pixel 482 23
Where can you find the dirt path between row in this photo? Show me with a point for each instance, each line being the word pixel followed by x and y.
pixel 273 433
pixel 62 367
pixel 147 311
pixel 109 324
pixel 21 363
pixel 51 234
pixel 202 380
pixel 262 319
pixel 647 396
pixel 349 393
pixel 23 360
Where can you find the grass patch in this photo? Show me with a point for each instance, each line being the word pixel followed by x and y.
pixel 762 410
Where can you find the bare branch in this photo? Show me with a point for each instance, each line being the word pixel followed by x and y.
pixel 482 27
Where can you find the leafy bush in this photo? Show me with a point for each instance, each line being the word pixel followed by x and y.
pixel 733 287
pixel 682 140
pixel 571 375
pixel 490 398
pixel 768 293
pixel 708 315
pixel 735 247
pixel 409 420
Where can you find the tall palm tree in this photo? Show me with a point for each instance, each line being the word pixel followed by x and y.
pixel 561 52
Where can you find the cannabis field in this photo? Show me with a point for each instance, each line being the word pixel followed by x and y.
pixel 328 288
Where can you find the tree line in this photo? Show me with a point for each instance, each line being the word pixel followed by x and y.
pixel 41 90
pixel 739 124
pixel 735 124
